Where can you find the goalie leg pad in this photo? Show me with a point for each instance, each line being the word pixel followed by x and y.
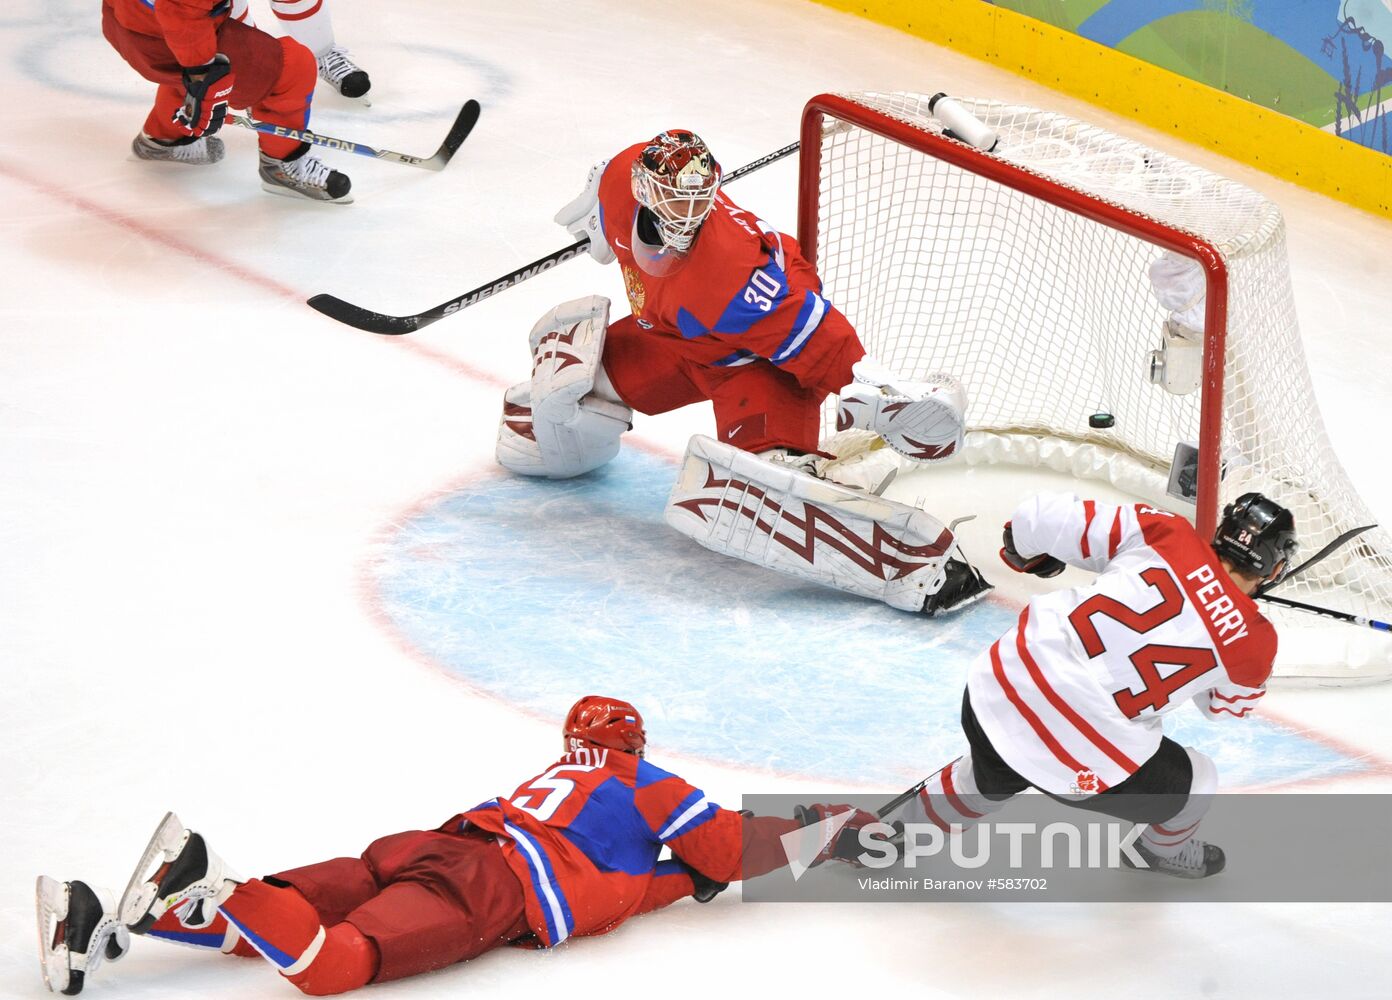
pixel 924 421
pixel 777 516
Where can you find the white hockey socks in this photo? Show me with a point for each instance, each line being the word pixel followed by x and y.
pixel 1170 838
pixel 307 22
pixel 951 799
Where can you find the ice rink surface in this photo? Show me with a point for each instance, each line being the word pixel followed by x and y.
pixel 260 568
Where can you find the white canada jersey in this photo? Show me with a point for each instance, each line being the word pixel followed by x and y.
pixel 1072 696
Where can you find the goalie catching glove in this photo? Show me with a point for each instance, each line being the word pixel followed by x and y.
pixel 1042 565
pixel 924 421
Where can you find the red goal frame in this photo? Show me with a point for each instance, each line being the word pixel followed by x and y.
pixel 1107 213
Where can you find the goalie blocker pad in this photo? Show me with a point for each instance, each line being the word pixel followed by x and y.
pixel 553 426
pixel 775 516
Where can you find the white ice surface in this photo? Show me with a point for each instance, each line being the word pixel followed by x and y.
pixel 197 476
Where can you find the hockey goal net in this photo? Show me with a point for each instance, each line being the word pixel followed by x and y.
pixel 1025 273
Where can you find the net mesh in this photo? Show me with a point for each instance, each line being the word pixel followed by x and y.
pixel 1049 317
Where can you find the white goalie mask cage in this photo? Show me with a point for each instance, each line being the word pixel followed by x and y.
pixel 676 178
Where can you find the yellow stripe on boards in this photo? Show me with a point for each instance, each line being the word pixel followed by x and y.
pixel 1246 132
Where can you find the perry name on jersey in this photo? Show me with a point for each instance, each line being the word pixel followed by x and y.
pixel 1073 695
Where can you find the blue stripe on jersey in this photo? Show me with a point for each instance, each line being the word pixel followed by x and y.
pixel 669 866
pixel 265 947
pixel 740 357
pixel 649 774
pixel 611 832
pixel 693 810
pixel 689 326
pixel 761 295
pixel 212 942
pixel 809 317
pixel 555 908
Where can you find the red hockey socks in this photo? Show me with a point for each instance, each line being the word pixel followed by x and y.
pixel 281 925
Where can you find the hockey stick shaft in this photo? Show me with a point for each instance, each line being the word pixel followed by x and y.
pixel 395 326
pixel 1315 609
pixel 463 124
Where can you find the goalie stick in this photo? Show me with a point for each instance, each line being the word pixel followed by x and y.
pixel 394 326
pixel 463 124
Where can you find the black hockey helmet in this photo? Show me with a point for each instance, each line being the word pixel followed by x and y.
pixel 1257 536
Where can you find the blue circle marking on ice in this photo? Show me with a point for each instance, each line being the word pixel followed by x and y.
pixel 540 592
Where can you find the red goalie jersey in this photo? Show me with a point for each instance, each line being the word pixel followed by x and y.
pixel 744 292
pixel 1073 695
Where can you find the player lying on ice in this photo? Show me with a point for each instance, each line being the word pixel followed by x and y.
pixel 1070 700
pixel 573 851
pixel 725 308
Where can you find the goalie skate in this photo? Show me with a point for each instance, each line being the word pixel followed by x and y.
pixel 177 871
pixel 778 516
pixel 78 928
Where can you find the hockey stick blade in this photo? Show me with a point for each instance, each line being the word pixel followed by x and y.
pixel 393 326
pixel 1343 539
pixel 464 123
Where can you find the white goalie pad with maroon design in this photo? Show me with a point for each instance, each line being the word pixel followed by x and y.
pixel 781 518
pixel 923 420
pixel 553 425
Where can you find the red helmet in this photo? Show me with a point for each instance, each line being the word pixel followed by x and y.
pixel 598 721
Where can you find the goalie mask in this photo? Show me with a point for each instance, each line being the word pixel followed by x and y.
pixel 676 178
pixel 597 721
pixel 1257 536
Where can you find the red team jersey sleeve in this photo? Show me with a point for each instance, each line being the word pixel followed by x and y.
pixel 190 28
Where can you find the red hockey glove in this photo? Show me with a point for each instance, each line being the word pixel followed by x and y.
pixel 1042 565
pixel 845 846
pixel 206 89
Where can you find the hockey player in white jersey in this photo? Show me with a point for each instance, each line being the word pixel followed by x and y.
pixel 310 23
pixel 1070 700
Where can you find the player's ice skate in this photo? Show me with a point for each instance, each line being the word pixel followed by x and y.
pixel 78 929
pixel 343 74
pixel 1196 859
pixel 920 420
pixel 177 870
pixel 305 176
pixel 199 152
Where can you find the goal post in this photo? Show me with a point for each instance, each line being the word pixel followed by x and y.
pixel 1027 273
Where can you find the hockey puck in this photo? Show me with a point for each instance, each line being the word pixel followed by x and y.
pixel 1102 420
